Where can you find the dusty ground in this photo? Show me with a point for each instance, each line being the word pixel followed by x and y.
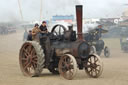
pixel 115 68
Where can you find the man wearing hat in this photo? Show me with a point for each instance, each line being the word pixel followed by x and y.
pixel 35 31
pixel 43 27
pixel 99 31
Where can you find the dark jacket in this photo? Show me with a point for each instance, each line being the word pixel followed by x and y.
pixel 99 32
pixel 29 38
pixel 43 28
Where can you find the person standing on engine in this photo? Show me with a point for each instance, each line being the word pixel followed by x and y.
pixel 35 31
pixel 43 28
pixel 46 42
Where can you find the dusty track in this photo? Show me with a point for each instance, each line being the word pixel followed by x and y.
pixel 115 68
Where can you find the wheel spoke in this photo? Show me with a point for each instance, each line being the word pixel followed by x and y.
pixel 90 70
pixel 70 72
pixel 56 32
pixel 90 60
pixel 26 66
pixel 24 59
pixel 97 65
pixel 25 63
pixel 26 52
pixel 65 62
pixel 34 57
pixel 26 55
pixel 34 62
pixel 32 51
pixel 67 66
pixel 63 70
pixel 30 48
pixel 59 30
pixel 88 66
pixel 96 59
pixel 34 65
pixel 97 70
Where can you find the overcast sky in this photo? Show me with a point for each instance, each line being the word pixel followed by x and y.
pixel 9 10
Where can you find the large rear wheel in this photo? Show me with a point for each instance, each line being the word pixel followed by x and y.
pixel 31 59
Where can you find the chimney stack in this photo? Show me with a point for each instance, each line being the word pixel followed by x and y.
pixel 79 15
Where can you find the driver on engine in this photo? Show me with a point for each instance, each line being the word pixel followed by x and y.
pixel 99 32
pixel 43 28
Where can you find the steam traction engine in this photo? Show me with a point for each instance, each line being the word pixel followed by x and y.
pixel 60 52
pixel 97 44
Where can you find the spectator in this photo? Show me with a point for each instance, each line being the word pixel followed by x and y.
pixel 25 35
pixel 29 38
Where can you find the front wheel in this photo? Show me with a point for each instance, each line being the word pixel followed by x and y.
pixel 94 66
pixel 67 66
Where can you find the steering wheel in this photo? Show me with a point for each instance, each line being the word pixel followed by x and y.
pixel 58 30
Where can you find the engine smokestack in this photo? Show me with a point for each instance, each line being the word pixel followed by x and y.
pixel 79 14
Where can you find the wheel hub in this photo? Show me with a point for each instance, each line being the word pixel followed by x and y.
pixel 93 66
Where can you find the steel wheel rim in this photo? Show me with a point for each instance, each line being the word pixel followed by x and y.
pixel 28 59
pixel 94 66
pixel 67 67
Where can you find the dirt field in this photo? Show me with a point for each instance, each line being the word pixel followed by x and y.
pixel 115 68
